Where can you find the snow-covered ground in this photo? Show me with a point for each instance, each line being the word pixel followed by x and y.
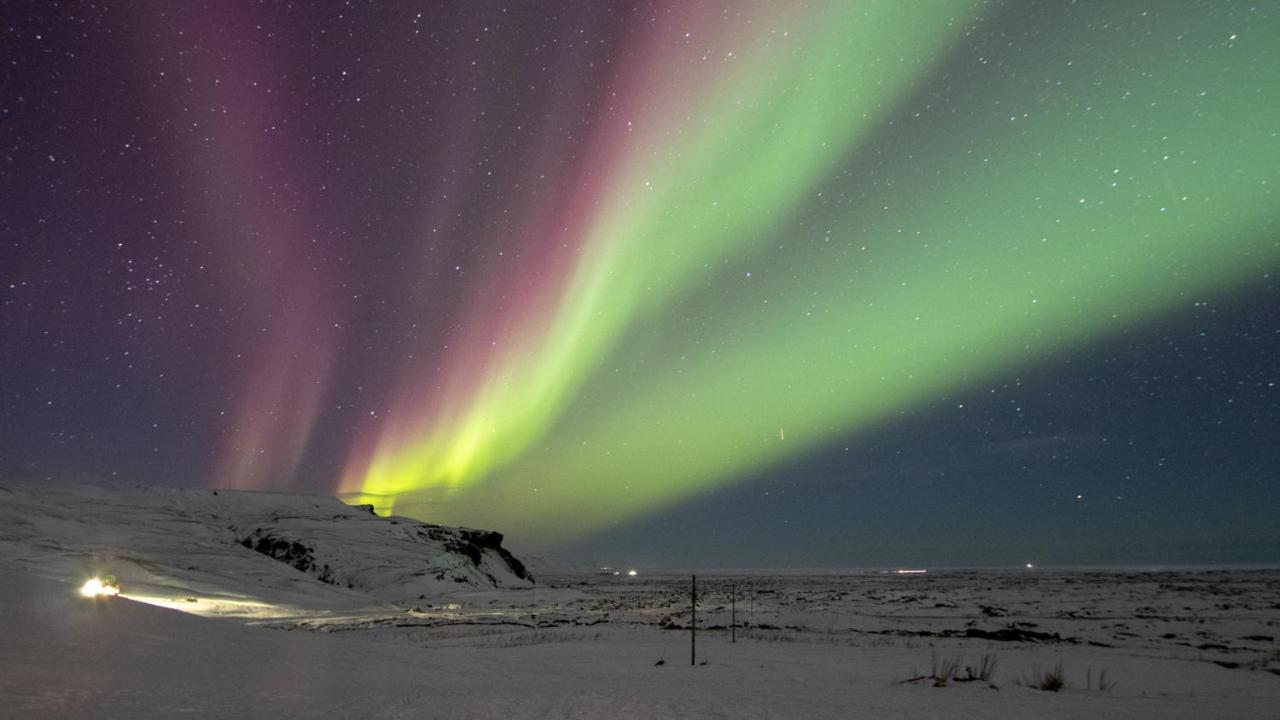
pixel 238 552
pixel 1172 644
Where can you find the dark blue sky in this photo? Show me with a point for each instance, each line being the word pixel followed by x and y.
pixel 1167 433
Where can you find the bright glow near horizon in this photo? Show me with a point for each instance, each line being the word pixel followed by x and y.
pixel 97 587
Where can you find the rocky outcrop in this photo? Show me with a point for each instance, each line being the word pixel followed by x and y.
pixel 290 552
pixel 395 558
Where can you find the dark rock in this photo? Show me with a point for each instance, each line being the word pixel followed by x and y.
pixel 1016 634
pixel 289 552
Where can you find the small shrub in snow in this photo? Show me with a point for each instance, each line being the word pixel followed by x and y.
pixel 1104 683
pixel 984 671
pixel 945 670
pixel 1048 680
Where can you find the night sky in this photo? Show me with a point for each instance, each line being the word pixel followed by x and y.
pixel 668 283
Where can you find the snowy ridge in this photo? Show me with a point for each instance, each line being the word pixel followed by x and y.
pixel 243 551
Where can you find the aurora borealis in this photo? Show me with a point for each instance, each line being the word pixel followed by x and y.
pixel 638 277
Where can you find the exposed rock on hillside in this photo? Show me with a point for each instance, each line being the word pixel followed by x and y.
pixel 251 546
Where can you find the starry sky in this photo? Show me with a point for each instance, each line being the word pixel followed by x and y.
pixel 668 282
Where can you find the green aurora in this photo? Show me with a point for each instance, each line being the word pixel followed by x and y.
pixel 878 211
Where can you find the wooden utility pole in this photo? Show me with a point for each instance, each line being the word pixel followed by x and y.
pixel 733 613
pixel 693 622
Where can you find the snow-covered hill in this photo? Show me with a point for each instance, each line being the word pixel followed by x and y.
pixel 247 553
